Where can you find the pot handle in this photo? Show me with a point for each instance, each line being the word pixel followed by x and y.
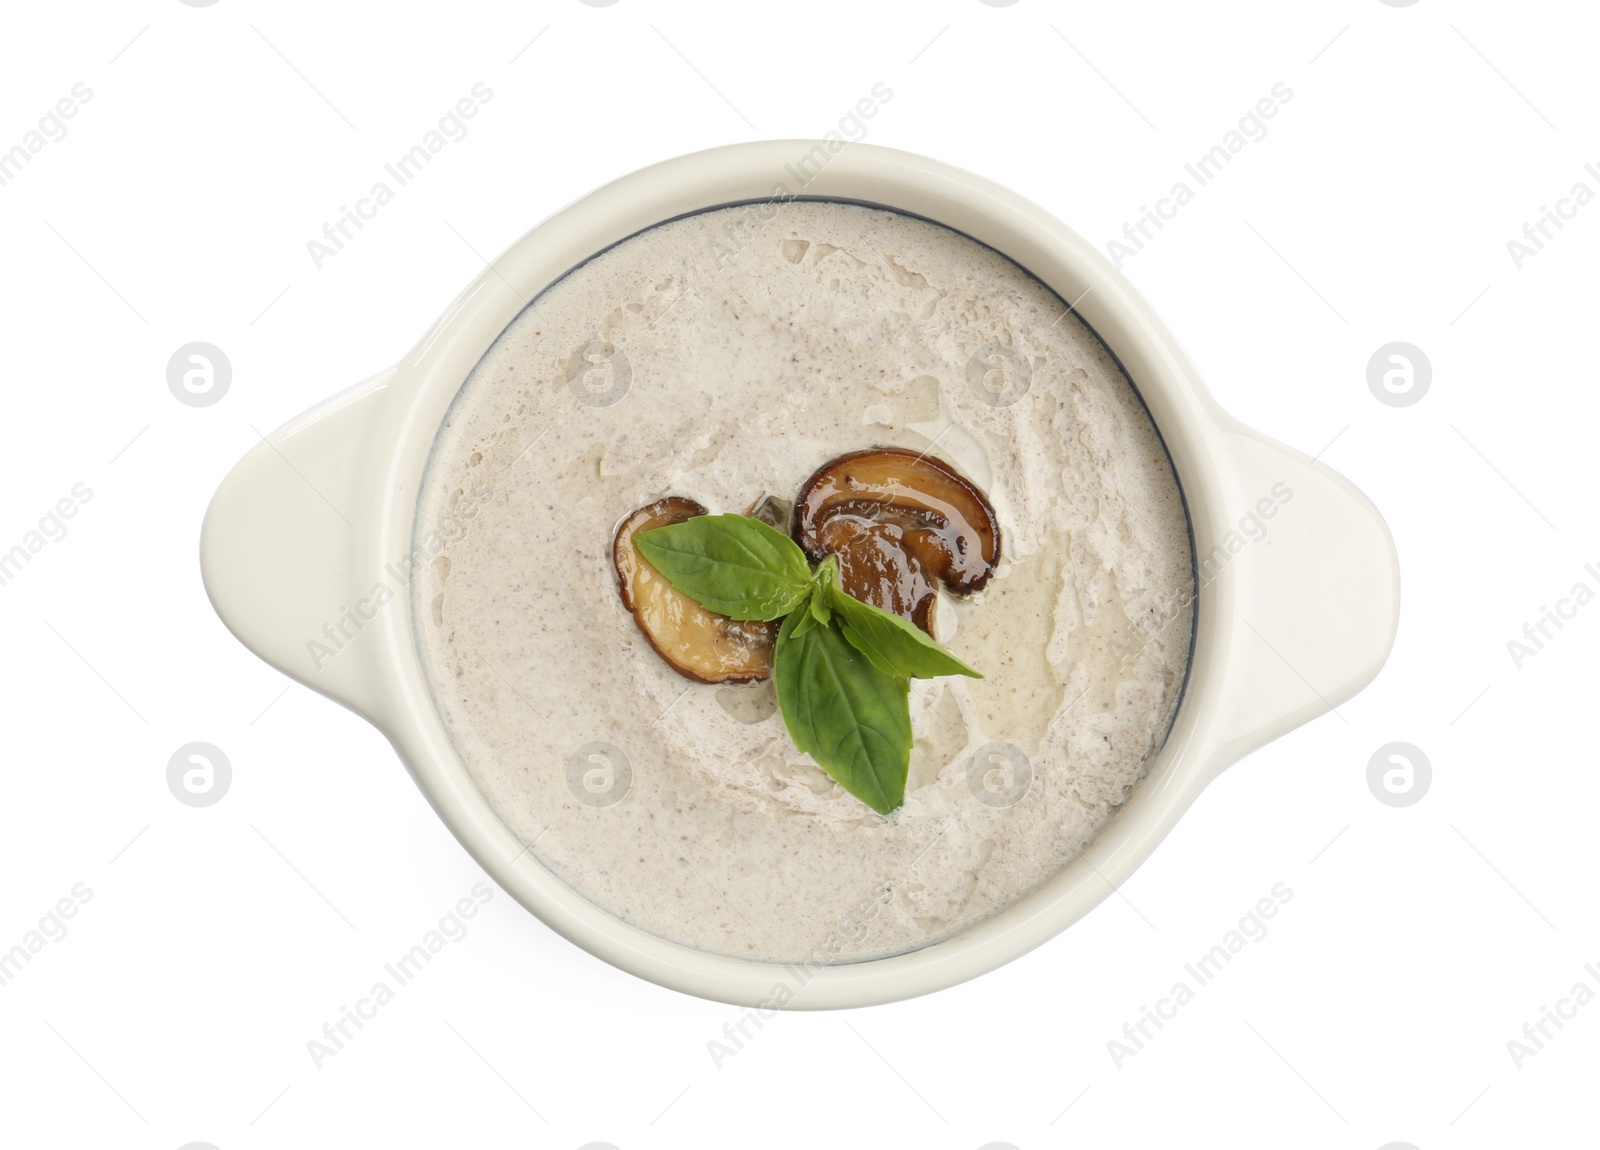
pixel 1307 581
pixel 287 541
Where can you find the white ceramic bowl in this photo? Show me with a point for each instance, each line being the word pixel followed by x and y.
pixel 312 521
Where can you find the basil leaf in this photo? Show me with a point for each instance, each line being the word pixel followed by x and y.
pixel 817 606
pixel 827 572
pixel 849 716
pixel 895 646
pixel 807 617
pixel 730 564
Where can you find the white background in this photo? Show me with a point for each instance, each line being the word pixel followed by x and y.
pixel 219 940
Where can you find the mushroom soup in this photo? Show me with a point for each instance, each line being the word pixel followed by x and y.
pixel 899 399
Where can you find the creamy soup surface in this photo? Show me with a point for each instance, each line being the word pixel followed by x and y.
pixel 725 357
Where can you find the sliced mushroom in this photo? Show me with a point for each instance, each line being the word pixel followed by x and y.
pixel 901 524
pixel 772 511
pixel 697 643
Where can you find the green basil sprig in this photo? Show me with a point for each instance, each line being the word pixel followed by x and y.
pixel 841 666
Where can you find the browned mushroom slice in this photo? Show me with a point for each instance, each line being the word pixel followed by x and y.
pixel 877 567
pixel 772 511
pixel 901 524
pixel 699 644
